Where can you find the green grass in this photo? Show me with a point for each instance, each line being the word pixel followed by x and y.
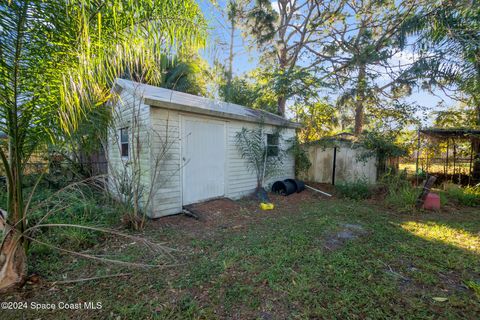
pixel 399 267
pixel 467 196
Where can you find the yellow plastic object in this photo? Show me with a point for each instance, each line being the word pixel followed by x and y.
pixel 266 206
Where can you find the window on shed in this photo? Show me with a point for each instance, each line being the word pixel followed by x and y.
pixel 124 142
pixel 272 145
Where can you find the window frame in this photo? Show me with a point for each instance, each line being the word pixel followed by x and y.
pixel 273 147
pixel 125 143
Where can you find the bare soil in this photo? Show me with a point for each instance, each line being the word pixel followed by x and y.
pixel 225 213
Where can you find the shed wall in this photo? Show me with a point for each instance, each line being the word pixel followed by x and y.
pixel 241 181
pixel 131 113
pixel 166 162
pixel 160 163
pixel 348 166
pixel 166 126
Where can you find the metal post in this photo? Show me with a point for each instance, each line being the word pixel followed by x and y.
pixel 444 166
pixel 470 173
pixel 448 148
pixel 334 164
pixel 427 159
pixel 454 157
pixel 418 154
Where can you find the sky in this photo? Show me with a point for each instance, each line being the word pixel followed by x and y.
pixel 246 57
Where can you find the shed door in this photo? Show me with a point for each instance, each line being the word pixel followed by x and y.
pixel 203 159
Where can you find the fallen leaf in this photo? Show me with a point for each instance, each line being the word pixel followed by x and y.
pixel 440 299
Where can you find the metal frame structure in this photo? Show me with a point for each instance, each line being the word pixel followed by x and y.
pixel 451 136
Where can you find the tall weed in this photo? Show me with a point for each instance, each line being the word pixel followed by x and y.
pixel 357 190
pixel 468 196
pixel 85 205
pixel 400 192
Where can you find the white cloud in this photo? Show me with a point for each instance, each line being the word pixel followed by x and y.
pixel 404 57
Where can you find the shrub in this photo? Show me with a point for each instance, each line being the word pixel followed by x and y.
pixel 404 198
pixel 82 205
pixel 468 196
pixel 359 189
pixel 383 145
pixel 302 162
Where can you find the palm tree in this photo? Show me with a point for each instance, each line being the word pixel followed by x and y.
pixel 58 59
pixel 189 74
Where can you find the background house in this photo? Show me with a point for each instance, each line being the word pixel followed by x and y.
pixel 184 145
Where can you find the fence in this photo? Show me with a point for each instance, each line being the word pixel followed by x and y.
pixel 458 171
pixel 64 170
pixel 437 165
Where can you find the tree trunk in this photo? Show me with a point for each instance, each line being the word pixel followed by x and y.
pixel 282 101
pixel 359 101
pixel 282 69
pixel 13 260
pixel 230 60
pixel 477 109
pixel 15 193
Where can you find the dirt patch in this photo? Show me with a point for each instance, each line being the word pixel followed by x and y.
pixel 212 216
pixel 221 214
pixel 325 187
pixel 346 233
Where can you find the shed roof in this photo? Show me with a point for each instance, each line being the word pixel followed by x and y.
pixel 462 133
pixel 340 138
pixel 180 101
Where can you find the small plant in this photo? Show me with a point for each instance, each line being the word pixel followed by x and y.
pixel 468 196
pixel 253 146
pixel 357 190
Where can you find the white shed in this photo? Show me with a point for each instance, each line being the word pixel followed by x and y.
pixel 184 145
pixel 337 160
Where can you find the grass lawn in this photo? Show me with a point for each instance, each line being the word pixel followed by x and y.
pixel 309 258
